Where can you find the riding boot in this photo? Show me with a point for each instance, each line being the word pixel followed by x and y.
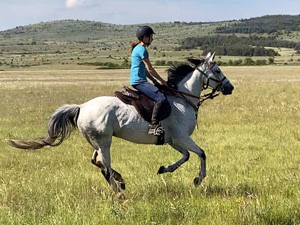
pixel 155 128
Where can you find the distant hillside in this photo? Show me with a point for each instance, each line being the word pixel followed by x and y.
pixel 171 33
pixel 83 31
pixel 233 45
pixel 65 30
pixel 75 43
pixel 264 24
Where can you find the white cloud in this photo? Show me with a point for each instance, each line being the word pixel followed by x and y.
pixel 73 3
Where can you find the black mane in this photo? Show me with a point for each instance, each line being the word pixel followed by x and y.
pixel 178 72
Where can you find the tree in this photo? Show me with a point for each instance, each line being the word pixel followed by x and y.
pixel 248 62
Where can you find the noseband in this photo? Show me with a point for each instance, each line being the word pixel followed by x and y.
pixel 218 81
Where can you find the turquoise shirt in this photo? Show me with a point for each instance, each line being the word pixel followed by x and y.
pixel 138 68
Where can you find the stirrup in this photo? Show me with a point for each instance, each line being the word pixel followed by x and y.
pixel 156 130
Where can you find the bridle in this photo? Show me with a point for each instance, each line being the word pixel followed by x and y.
pixel 214 93
pixel 218 80
pixel 201 99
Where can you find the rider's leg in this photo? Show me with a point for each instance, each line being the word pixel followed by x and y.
pixel 153 92
pixel 155 113
pixel 155 127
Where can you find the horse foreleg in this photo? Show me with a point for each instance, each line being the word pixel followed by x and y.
pixel 189 144
pixel 202 174
pixel 176 165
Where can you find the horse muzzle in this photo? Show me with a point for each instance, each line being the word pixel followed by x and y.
pixel 227 89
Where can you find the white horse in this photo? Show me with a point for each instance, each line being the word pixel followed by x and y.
pixel 103 117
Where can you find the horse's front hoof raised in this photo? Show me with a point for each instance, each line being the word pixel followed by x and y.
pixel 161 170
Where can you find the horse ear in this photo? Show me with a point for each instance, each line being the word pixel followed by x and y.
pixel 212 58
pixel 195 62
pixel 208 56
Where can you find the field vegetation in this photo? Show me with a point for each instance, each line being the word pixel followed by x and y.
pixel 242 46
pixel 93 45
pixel 251 139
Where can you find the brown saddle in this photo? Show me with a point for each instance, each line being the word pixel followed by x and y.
pixel 143 104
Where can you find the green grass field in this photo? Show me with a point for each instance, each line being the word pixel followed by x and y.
pixel 251 139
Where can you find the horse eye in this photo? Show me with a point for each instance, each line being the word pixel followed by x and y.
pixel 218 70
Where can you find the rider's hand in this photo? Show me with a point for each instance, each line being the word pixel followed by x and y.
pixel 163 82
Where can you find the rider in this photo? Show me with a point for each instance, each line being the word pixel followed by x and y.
pixel 140 62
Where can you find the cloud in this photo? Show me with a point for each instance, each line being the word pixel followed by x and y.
pixel 73 3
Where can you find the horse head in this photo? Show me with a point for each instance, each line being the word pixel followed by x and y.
pixel 213 76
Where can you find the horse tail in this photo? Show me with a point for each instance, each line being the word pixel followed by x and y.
pixel 61 124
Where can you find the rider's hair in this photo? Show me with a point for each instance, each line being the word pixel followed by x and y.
pixel 133 44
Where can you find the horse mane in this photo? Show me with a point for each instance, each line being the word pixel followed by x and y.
pixel 177 72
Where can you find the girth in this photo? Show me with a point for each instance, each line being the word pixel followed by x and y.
pixel 143 104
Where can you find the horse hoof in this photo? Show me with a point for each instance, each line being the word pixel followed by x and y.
pixel 197 181
pixel 161 170
pixel 120 196
pixel 122 186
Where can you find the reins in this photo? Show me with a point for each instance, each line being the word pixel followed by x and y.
pixel 203 98
pixel 183 95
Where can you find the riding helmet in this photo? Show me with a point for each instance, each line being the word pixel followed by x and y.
pixel 144 30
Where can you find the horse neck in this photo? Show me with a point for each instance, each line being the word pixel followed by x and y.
pixel 192 84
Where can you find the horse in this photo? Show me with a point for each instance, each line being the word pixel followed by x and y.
pixel 103 117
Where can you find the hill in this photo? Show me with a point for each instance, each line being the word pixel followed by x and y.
pixel 76 43
pixel 89 31
pixel 265 24
pixel 65 30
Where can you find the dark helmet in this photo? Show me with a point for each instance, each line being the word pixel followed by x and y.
pixel 144 30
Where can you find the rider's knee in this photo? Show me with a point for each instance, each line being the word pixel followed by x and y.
pixel 161 102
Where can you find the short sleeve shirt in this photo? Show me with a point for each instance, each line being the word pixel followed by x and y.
pixel 138 69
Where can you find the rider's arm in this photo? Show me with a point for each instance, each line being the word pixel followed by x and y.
pixel 153 72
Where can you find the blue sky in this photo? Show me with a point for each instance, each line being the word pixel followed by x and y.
pixel 23 12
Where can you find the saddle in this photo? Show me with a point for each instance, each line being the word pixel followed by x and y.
pixel 143 104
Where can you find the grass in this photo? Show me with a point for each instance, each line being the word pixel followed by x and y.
pixel 251 140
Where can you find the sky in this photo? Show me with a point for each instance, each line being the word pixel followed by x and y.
pixel 24 12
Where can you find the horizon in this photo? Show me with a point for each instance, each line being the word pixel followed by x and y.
pixel 120 12
pixel 50 21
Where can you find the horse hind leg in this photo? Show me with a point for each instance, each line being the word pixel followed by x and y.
pixel 119 178
pixel 111 176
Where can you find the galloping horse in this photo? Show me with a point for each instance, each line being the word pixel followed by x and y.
pixel 103 117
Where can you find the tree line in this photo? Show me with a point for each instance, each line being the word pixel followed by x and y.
pixel 237 46
pixel 247 62
pixel 264 24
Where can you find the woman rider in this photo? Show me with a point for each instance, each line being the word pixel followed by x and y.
pixel 140 62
